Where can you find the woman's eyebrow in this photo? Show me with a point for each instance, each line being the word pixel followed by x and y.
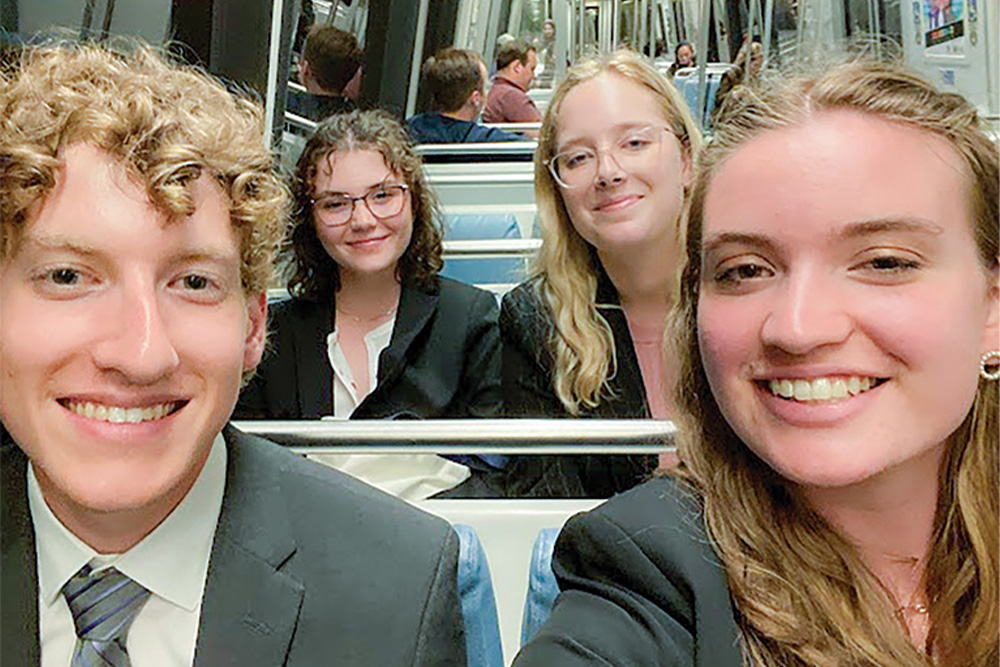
pixel 748 239
pixel 388 180
pixel 890 224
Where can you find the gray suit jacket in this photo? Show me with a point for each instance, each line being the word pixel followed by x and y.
pixel 640 586
pixel 308 567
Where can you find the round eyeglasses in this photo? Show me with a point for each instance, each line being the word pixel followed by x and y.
pixel 383 202
pixel 635 150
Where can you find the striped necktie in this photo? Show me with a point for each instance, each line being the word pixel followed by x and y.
pixel 103 605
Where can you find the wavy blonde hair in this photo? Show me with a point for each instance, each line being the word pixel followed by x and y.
pixel 566 270
pixel 167 123
pixel 802 594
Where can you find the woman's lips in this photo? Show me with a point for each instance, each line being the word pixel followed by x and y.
pixel 367 243
pixel 617 204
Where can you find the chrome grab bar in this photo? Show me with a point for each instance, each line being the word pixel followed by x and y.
pixel 469 436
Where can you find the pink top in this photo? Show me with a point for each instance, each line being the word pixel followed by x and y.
pixel 647 338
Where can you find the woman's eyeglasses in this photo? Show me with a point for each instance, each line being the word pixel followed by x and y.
pixel 383 202
pixel 635 150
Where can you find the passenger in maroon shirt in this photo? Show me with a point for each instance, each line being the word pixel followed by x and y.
pixel 508 101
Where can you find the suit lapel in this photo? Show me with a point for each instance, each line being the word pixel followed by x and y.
pixel 314 378
pixel 18 575
pixel 250 609
pixel 416 306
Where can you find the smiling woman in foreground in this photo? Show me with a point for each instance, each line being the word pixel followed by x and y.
pixel 838 330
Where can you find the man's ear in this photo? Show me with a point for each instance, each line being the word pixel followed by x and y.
pixel 475 99
pixel 303 67
pixel 256 335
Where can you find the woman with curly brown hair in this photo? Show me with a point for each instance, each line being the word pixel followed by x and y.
pixel 372 331
pixel 838 325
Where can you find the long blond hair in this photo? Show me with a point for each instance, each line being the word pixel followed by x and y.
pixel 802 595
pixel 566 269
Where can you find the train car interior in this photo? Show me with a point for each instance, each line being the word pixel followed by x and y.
pixel 486 191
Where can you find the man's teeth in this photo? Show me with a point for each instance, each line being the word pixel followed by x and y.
pixel 821 389
pixel 117 415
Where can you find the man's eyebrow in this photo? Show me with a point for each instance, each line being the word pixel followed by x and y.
pixel 62 244
pixel 82 248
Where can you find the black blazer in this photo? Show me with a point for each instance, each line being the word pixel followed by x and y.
pixel 443 360
pixel 640 587
pixel 308 567
pixel 526 379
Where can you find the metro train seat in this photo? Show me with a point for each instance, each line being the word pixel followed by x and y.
pixel 687 83
pixel 478 227
pixel 542 586
pixel 507 529
pixel 479 607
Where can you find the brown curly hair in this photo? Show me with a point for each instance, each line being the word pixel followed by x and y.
pixel 316 277
pixel 166 122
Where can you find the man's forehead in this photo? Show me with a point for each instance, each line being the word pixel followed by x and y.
pixel 97 196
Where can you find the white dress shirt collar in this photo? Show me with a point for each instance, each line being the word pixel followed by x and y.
pixel 171 562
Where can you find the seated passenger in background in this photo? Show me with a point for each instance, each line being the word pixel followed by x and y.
pixel 508 101
pixel 330 59
pixel 139 214
pixel 683 57
pixel 838 325
pixel 583 337
pixel 372 331
pixel 454 80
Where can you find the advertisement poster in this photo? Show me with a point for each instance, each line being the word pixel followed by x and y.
pixel 945 27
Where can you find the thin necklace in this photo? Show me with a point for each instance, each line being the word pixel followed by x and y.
pixel 359 319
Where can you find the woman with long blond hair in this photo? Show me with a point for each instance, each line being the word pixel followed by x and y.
pixel 583 336
pixel 839 324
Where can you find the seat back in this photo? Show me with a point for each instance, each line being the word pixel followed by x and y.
pixel 479 607
pixel 542 585
pixel 507 529
pixel 478 227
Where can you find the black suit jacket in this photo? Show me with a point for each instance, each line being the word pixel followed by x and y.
pixel 308 567
pixel 443 360
pixel 640 587
pixel 528 367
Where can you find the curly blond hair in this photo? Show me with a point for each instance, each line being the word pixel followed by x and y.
pixel 802 594
pixel 167 123
pixel 565 275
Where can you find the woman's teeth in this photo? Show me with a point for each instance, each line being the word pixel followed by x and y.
pixel 821 389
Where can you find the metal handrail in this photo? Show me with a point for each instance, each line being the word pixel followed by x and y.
pixel 469 436
pixel 300 122
pixel 492 148
pixel 491 248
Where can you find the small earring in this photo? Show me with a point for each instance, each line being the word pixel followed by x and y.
pixel 989 365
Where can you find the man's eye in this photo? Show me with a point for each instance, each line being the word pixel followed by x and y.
pixel 64 276
pixel 195 282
